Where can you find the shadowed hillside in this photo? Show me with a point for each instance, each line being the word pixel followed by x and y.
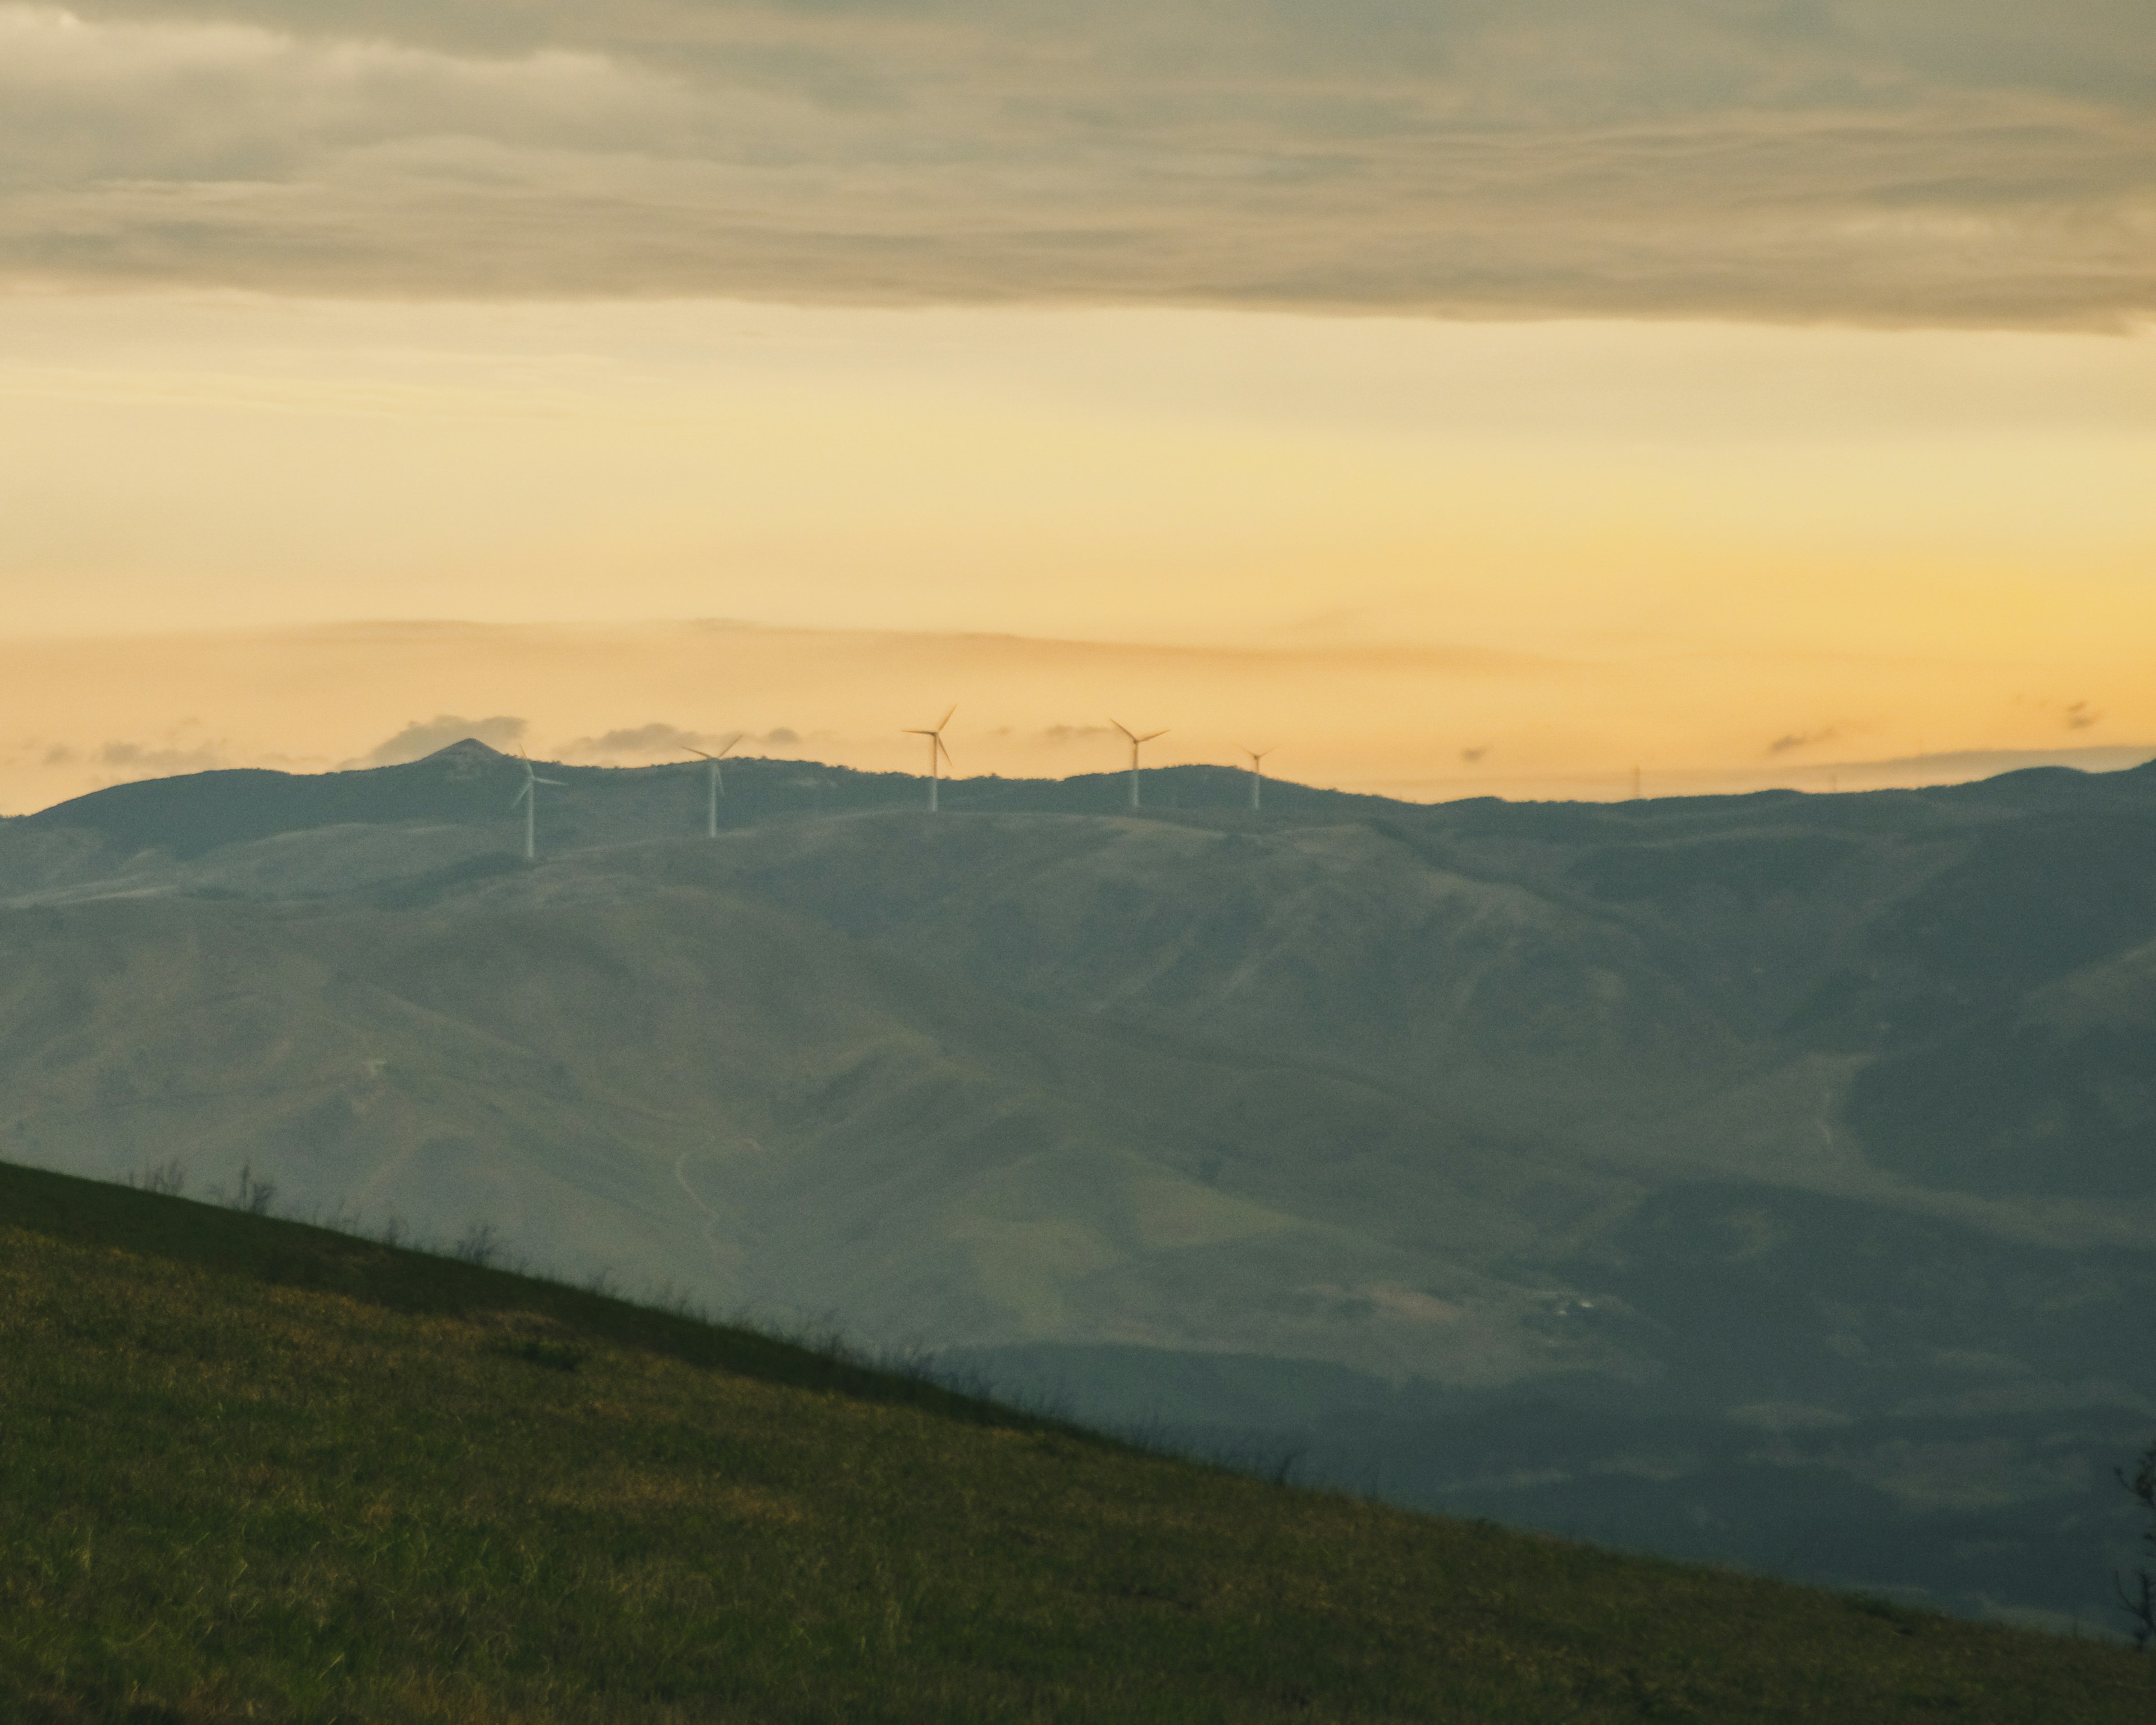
pixel 249 1470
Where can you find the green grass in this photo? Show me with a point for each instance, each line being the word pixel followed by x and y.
pixel 255 1471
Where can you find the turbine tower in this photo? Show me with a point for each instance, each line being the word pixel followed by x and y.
pixel 529 796
pixel 1257 774
pixel 1135 741
pixel 938 755
pixel 715 785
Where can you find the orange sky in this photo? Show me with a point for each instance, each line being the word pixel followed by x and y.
pixel 1403 721
pixel 1442 557
pixel 1468 399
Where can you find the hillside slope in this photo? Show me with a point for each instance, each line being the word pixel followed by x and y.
pixel 691 1088
pixel 1762 1178
pixel 249 1470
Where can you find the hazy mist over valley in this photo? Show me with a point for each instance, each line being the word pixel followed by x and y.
pixel 1757 1178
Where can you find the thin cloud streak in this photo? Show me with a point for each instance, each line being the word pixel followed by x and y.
pixel 1169 658
pixel 1894 163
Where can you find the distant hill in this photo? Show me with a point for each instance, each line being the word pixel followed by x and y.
pixel 249 1470
pixel 468 781
pixel 1766 1179
pixel 713 1093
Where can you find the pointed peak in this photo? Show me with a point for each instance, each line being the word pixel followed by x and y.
pixel 468 748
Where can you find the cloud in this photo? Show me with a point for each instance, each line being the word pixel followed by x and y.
pixel 421 738
pixel 1792 740
pixel 1471 756
pixel 149 760
pixel 642 742
pixel 1890 162
pixel 179 749
pixel 1075 733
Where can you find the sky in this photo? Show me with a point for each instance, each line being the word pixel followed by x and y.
pixel 1458 398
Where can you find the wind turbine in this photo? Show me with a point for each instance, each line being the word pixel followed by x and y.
pixel 938 754
pixel 1135 741
pixel 1257 774
pixel 716 786
pixel 529 796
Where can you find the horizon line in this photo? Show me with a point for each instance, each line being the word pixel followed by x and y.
pixel 2029 759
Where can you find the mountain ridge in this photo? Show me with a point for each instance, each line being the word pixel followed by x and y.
pixel 1393 1090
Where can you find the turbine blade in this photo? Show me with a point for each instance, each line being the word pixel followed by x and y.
pixel 1122 727
pixel 517 801
pixel 946 748
pixel 699 752
pixel 1149 737
pixel 945 719
pixel 551 781
pixel 738 736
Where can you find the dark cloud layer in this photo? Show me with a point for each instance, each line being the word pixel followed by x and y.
pixel 1900 161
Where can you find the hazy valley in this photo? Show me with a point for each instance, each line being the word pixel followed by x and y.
pixel 1761 1178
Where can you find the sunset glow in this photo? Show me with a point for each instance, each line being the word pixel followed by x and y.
pixel 1519 538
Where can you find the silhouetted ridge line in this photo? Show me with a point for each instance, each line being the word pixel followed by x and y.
pixel 463 747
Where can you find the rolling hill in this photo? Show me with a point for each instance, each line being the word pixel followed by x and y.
pixel 250 1470
pixel 1764 1179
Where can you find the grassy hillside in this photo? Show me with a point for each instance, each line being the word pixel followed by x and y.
pixel 253 1470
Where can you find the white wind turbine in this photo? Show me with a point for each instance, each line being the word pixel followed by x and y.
pixel 529 796
pixel 938 754
pixel 1135 741
pixel 1258 774
pixel 715 785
